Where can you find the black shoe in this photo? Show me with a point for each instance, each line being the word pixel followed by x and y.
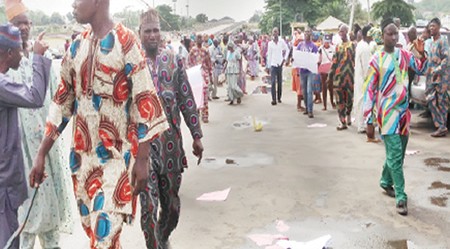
pixel 215 97
pixel 305 113
pixel 389 191
pixel 310 115
pixel 274 103
pixel 402 208
pixel 231 102
pixel 238 100
pixel 279 101
pixel 439 133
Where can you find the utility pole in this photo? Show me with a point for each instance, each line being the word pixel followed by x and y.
pixel 352 14
pixel 187 8
pixel 281 22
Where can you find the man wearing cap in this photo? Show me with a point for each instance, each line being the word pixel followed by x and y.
pixel 167 154
pixel 52 200
pixel 13 189
pixel 108 91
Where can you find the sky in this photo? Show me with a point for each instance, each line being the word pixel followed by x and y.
pixel 215 9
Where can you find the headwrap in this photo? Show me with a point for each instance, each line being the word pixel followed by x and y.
pixel 150 16
pixel 375 33
pixel 14 8
pixel 10 36
pixel 315 36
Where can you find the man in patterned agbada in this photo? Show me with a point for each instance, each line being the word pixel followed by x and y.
pixel 108 92
pixel 167 154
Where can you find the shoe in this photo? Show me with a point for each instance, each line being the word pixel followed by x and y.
pixel 209 99
pixel 215 97
pixel 439 133
pixel 349 120
pixel 274 103
pixel 310 115
pixel 361 131
pixel 301 109
pixel 165 245
pixel 228 99
pixel 402 208
pixel 305 112
pixel 238 100
pixel 231 102
pixel 279 101
pixel 389 191
pixel 341 127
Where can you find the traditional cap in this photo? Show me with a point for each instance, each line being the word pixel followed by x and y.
pixel 327 38
pixel 10 36
pixel 151 15
pixel 14 8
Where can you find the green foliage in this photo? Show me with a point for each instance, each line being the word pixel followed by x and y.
pixel 129 18
pixel 57 18
pixel 394 8
pixel 3 18
pixel 256 18
pixel 432 8
pixel 201 18
pixel 169 21
pixel 310 11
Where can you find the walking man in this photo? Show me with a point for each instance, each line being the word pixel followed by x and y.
pixel 167 154
pixel 217 59
pixel 438 78
pixel 13 95
pixel 306 76
pixel 362 59
pixel 108 91
pixel 386 101
pixel 342 77
pixel 277 54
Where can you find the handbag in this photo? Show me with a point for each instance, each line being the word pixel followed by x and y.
pixel 324 68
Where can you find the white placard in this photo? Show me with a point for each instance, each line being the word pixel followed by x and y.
pixel 306 60
pixel 197 82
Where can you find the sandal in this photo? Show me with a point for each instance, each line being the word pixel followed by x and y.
pixel 341 127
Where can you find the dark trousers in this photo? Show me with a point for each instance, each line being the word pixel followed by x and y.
pixel 276 75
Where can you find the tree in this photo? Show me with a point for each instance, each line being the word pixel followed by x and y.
pixel 56 18
pixel 69 16
pixel 201 18
pixel 256 17
pixel 2 14
pixel 169 21
pixel 394 8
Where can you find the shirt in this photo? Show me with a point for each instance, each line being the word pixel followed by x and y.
pixel 176 96
pixel 275 52
pixel 13 96
pixel 438 60
pixel 343 67
pixel 108 91
pixel 386 90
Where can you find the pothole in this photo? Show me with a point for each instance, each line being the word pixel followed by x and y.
pixel 440 201
pixel 439 185
pixel 437 162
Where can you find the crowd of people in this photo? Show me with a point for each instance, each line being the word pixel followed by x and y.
pixel 125 94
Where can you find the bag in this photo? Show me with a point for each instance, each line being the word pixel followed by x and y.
pixel 324 68
pixel 222 78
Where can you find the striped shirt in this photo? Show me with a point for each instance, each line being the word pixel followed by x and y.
pixel 386 90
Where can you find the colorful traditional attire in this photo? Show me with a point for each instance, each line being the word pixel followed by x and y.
pixel 362 59
pixel 342 75
pixel 438 77
pixel 200 56
pixel 13 184
pixel 253 59
pixel 167 154
pixel 106 87
pixel 386 100
pixel 51 212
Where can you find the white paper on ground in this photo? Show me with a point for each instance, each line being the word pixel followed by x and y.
pixel 306 60
pixel 215 196
pixel 197 82
pixel 266 239
pixel 282 227
pixel 317 125
pixel 318 243
pixel 411 152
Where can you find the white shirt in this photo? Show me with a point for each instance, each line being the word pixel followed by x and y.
pixel 275 53
pixel 327 53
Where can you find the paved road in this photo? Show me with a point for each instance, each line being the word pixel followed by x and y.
pixel 318 181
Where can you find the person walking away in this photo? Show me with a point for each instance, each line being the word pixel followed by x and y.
pixel 167 155
pixel 342 77
pixel 326 52
pixel 306 76
pixel 51 212
pixel 108 91
pixel 386 100
pixel 200 56
pixel 217 59
pixel 15 95
pixel 275 63
pixel 438 79
pixel 362 59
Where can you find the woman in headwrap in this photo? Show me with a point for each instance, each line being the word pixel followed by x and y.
pixel 232 71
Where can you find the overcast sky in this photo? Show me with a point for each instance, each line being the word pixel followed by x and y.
pixel 236 9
